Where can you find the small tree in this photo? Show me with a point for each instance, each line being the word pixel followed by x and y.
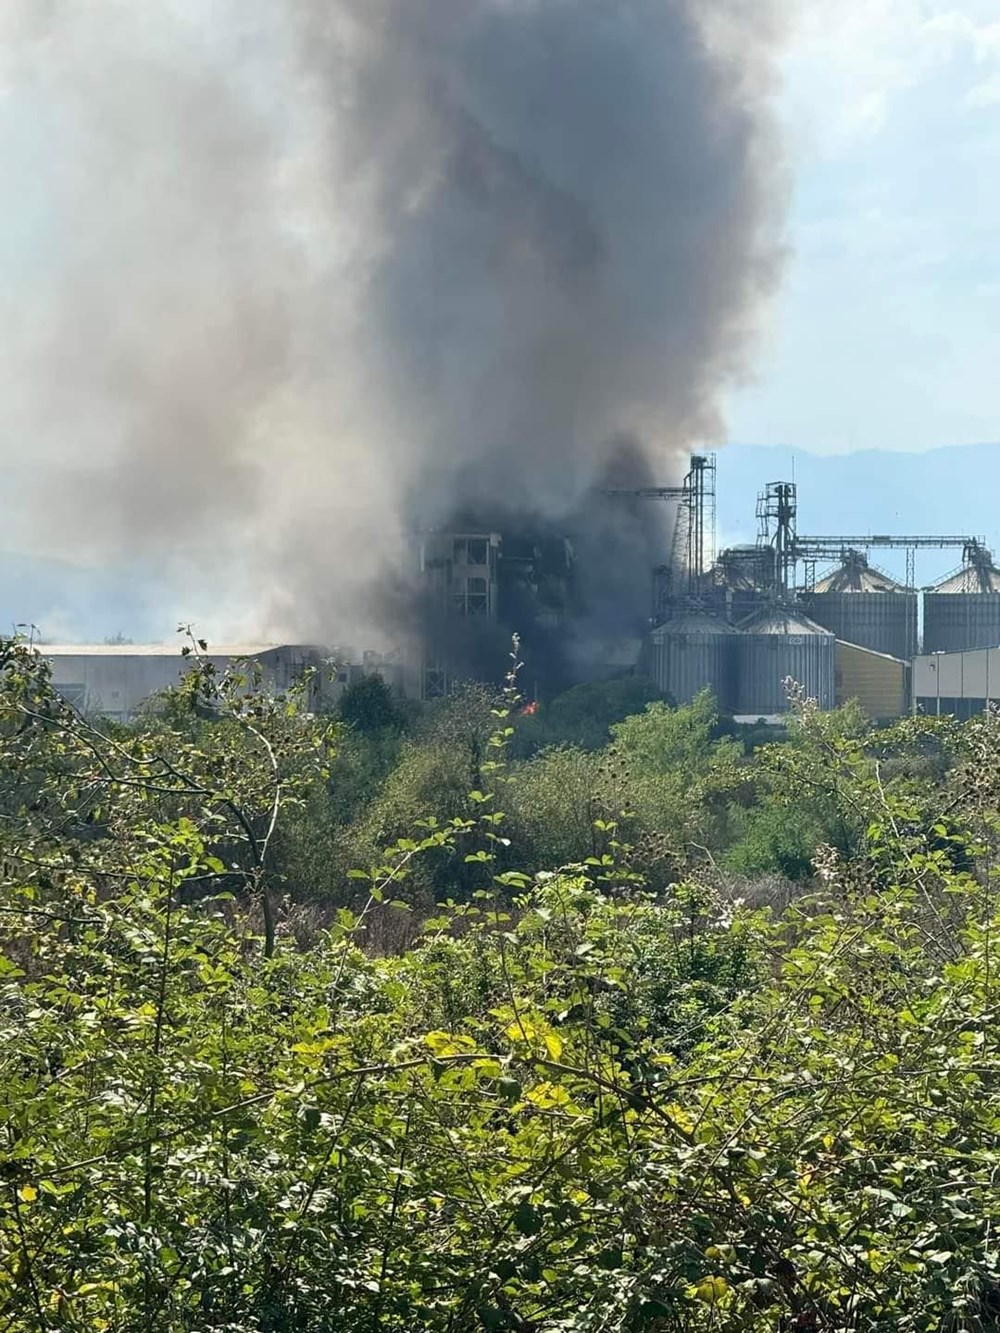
pixel 369 707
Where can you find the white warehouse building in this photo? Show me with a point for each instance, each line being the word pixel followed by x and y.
pixel 115 680
pixel 961 684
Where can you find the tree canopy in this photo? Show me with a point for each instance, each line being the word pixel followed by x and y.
pixel 598 1083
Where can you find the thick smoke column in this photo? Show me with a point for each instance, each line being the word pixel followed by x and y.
pixel 285 273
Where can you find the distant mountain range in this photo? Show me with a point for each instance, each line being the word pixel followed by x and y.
pixel 953 490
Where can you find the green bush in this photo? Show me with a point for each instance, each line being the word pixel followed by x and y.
pixel 369 707
pixel 583 716
pixel 571 1105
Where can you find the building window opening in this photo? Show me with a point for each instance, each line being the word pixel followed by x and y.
pixel 470 551
pixel 471 597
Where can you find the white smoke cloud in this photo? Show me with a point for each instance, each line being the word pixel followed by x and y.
pixel 277 274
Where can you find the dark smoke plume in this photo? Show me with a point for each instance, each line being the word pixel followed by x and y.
pixel 285 274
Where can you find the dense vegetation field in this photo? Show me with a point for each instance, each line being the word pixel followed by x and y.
pixel 604 1018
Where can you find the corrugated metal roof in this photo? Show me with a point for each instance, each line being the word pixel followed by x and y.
pixel 694 622
pixel 871 652
pixel 852 577
pixel 971 579
pixel 782 620
pixel 151 649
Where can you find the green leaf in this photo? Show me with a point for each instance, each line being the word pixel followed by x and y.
pixel 311 1117
pixel 492 1318
pixel 527 1219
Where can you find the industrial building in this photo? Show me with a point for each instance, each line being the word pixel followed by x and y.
pixel 692 650
pixel 960 683
pixel 116 680
pixel 745 621
pixel 862 605
pixel 813 609
pixel 461 570
pixel 474 582
pixel 779 644
pixel 742 622
pixel 879 682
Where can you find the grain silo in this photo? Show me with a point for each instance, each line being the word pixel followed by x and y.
pixel 774 645
pixel 963 611
pixel 863 605
pixel 693 651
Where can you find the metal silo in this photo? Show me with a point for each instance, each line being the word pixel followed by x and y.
pixel 692 651
pixel 963 611
pixel 778 643
pixel 864 606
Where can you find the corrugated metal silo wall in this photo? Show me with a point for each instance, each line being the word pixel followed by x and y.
pixel 684 664
pixel 765 661
pixel 883 621
pixel 955 621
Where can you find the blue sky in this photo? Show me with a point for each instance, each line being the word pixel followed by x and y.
pixel 886 333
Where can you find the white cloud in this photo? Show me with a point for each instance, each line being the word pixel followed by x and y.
pixel 848 62
pixel 986 93
pixel 886 332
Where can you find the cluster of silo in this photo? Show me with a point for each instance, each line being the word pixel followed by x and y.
pixel 745 632
pixel 963 611
pixel 746 667
pixel 864 606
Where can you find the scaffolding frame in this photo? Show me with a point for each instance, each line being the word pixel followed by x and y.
pixel 693 546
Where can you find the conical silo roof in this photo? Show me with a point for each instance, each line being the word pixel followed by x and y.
pixel 782 620
pixel 868 608
pixel 854 577
pixel 971 578
pixel 694 622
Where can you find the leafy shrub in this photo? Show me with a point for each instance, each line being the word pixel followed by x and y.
pixel 369 706
pixel 583 716
pixel 571 1105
